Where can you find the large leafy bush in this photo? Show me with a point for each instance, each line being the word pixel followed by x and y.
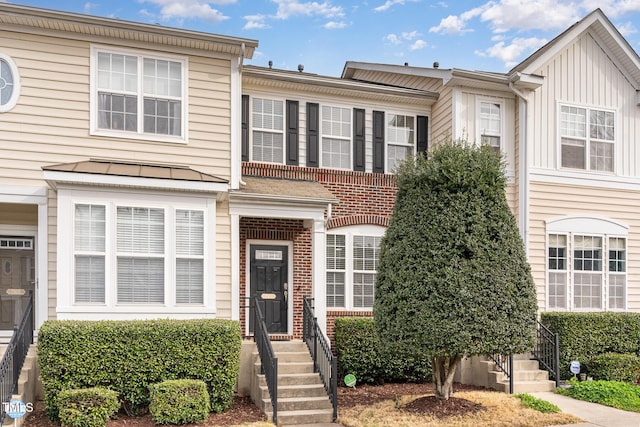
pixel 128 356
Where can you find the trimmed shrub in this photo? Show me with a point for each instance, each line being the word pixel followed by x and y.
pixel 585 335
pixel 87 407
pixel 179 402
pixel 128 356
pixel 360 353
pixel 623 367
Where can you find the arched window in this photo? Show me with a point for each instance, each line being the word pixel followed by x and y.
pixel 9 83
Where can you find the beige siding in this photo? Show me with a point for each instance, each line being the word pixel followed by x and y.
pixel 402 80
pixel 50 125
pixel 550 201
pixel 584 75
pixel 442 116
pixel 52 268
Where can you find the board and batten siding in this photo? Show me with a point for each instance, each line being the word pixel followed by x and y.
pixel 584 75
pixel 552 201
pixel 50 125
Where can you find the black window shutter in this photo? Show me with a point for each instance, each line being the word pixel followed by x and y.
pixel 245 128
pixel 358 139
pixel 422 138
pixel 313 134
pixel 292 133
pixel 378 142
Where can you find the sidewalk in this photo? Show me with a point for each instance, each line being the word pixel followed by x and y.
pixel 593 414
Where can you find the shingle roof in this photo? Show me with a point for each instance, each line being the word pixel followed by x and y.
pixel 286 189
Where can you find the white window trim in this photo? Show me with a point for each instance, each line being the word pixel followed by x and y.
pixel 479 131
pixel 68 197
pixel 93 99
pixel 349 232
pixel 572 226
pixel 321 135
pixel 252 128
pixel 587 168
pixel 386 139
pixel 16 84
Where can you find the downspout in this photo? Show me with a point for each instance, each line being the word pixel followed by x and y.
pixel 523 197
pixel 240 64
pixel 326 221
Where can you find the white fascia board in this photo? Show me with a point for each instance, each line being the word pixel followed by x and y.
pixel 274 209
pixel 561 177
pixel 54 177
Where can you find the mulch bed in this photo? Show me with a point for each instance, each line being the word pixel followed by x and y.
pixel 244 411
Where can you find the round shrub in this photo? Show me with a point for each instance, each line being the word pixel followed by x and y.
pixel 87 407
pixel 179 402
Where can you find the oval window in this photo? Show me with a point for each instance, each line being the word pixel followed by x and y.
pixel 9 83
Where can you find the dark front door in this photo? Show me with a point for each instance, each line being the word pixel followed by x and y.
pixel 268 281
pixel 17 278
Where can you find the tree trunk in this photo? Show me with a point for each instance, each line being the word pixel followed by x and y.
pixel 442 371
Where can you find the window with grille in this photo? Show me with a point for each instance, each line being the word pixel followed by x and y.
pixel 587 138
pixel 138 94
pixel 336 137
pixel 268 130
pixel 401 134
pixel 491 124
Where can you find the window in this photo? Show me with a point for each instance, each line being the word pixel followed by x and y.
pixel 129 254
pixel 400 139
pixel 592 272
pixel 336 137
pixel 9 83
pixel 491 124
pixel 351 265
pixel 138 94
pixel 587 138
pixel 268 127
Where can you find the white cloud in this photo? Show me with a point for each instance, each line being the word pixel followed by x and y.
pixel 627 29
pixel 188 9
pixel 409 35
pixel 332 25
pixel 510 54
pixel 89 6
pixel 255 22
pixel 418 44
pixel 392 38
pixel 612 8
pixel 289 8
pixel 456 24
pixel 535 15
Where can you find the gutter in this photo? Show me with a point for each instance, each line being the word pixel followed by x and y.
pixel 523 188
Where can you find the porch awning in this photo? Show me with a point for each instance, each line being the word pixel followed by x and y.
pixel 132 174
pixel 283 190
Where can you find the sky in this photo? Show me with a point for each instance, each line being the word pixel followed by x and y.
pixel 322 35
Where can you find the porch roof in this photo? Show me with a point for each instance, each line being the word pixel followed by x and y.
pixel 285 190
pixel 123 173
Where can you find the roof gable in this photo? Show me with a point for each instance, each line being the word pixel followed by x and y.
pixel 601 28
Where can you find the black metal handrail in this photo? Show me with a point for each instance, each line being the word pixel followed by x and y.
pixel 268 359
pixel 15 355
pixel 505 365
pixel 324 361
pixel 547 352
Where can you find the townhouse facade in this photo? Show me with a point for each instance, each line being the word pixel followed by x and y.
pixel 148 172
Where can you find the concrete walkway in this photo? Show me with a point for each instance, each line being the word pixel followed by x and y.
pixel 593 414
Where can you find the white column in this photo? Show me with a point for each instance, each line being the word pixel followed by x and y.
pixel 235 267
pixel 319 275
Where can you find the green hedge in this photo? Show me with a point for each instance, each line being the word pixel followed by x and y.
pixel 623 367
pixel 128 356
pixel 360 353
pixel 179 402
pixel 87 407
pixel 585 335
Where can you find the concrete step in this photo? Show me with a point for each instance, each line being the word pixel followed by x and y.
pixel 291 367
pixel 303 417
pixel 531 375
pixel 303 390
pixel 527 386
pixel 293 379
pixel 289 346
pixel 290 404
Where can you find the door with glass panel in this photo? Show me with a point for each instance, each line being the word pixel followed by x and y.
pixel 17 278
